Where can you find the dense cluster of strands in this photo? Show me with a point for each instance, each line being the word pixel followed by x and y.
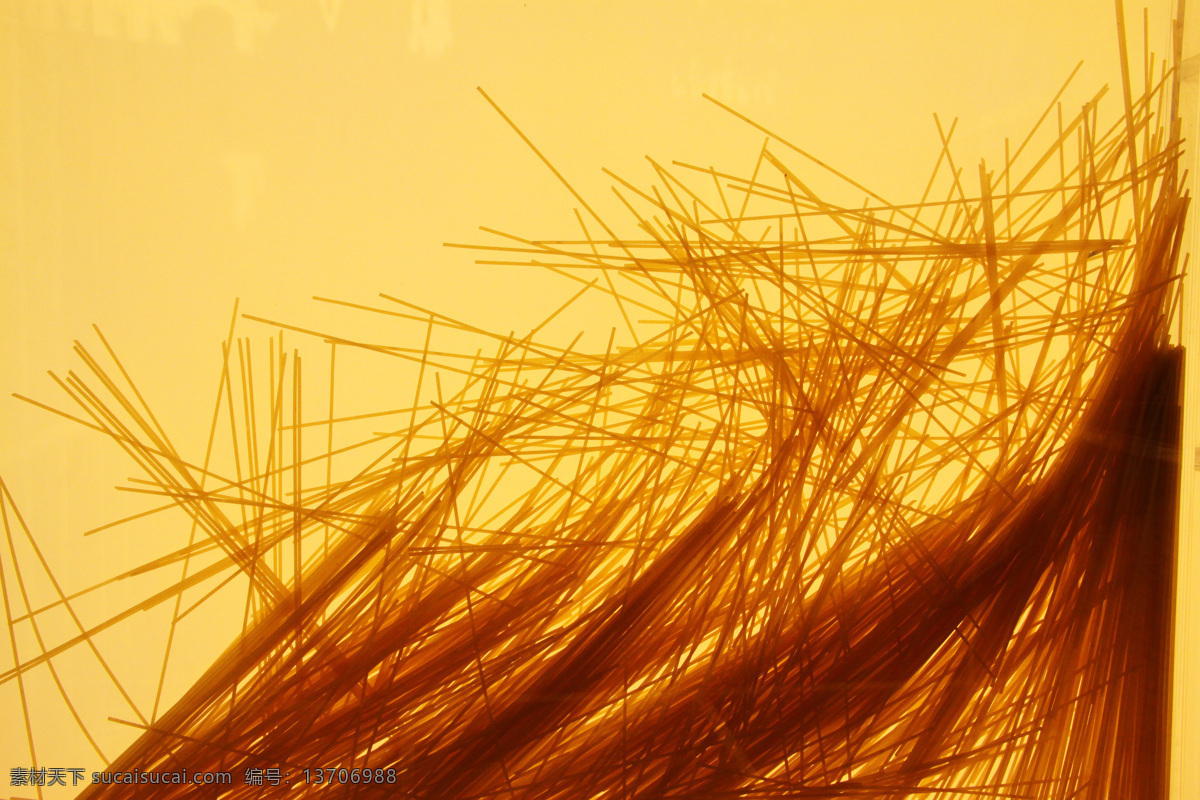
pixel 875 503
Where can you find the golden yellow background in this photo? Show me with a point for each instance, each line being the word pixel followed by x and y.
pixel 160 158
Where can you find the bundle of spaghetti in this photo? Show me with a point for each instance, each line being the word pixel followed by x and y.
pixel 875 502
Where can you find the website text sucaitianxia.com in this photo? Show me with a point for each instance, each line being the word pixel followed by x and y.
pixel 273 776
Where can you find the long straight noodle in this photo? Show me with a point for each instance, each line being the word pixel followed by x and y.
pixel 878 502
